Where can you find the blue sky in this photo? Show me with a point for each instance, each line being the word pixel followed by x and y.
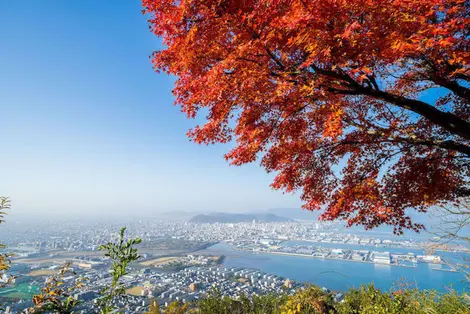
pixel 88 127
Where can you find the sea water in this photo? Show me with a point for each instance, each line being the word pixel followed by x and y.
pixel 340 275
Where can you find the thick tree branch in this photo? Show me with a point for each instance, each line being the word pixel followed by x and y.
pixel 385 138
pixel 456 88
pixel 446 120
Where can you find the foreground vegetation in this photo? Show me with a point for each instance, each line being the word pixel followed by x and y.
pixel 312 300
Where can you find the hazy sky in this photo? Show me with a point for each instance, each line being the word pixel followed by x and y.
pixel 88 127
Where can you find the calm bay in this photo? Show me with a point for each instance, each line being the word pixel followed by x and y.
pixel 340 275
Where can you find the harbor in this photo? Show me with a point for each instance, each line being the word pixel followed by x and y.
pixel 409 260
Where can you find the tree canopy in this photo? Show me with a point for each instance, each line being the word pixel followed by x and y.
pixel 362 105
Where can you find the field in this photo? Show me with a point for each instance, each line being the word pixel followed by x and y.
pixel 43 272
pixel 135 291
pixel 80 253
pixel 160 261
pixel 59 256
pixel 65 256
pixel 21 291
pixel 38 260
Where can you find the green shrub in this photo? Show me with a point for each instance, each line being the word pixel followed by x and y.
pixel 312 300
pixel 216 304
pixel 370 300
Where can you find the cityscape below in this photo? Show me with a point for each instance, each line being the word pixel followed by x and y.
pixel 187 260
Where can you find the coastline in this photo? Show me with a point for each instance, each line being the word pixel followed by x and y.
pixel 452 270
pixel 304 269
pixel 324 258
pixel 426 246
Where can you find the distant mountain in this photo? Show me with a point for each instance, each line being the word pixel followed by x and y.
pixel 295 213
pixel 176 215
pixel 233 218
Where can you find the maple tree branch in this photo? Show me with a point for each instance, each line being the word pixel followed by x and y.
pixel 447 144
pixel 274 58
pixel 450 145
pixel 278 123
pixel 341 76
pixel 412 140
pixel 446 120
pixel 438 78
pixel 462 76
pixel 455 87
pixel 373 81
pixel 453 219
pixel 249 60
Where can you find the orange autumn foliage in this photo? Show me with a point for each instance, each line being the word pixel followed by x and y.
pixel 362 105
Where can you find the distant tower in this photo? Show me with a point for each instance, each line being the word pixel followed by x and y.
pixel 288 284
pixel 193 287
pixel 42 246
